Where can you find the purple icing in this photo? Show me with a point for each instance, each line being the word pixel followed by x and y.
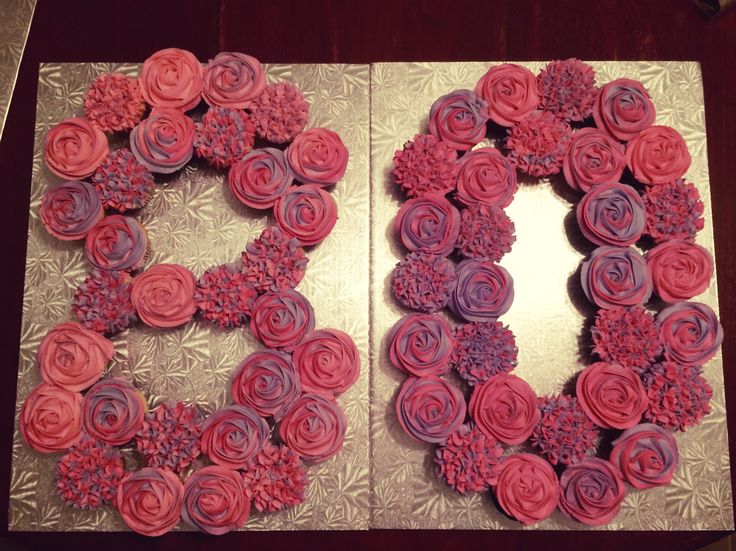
pixel 612 214
pixel 261 177
pixel 459 119
pixel 70 210
pixel 690 332
pixel 430 408
pixel 616 276
pixel 428 224
pixel 484 291
pixel 117 243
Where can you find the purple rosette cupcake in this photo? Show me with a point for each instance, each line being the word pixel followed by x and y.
pixel 117 243
pixel 281 320
pixel 690 332
pixel 232 80
pixel 421 345
pixel 623 109
pixel 70 210
pixel 233 435
pixel 484 291
pixel 306 212
pixel 113 411
pixel 423 281
pixel 214 500
pixel 260 178
pixel 646 455
pixel 164 142
pixel 430 409
pixel 593 158
pixel 612 214
pixel 459 119
pixel 266 381
pixel 592 491
pixel 428 224
pixel 616 276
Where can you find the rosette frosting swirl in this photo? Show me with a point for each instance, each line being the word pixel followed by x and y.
pixel 172 78
pixel 117 243
pixel 163 142
pixel 150 500
pixel 658 155
pixel 74 149
pixel 616 276
pixel 510 91
pixel 505 407
pixel 527 487
pixel 215 501
pixel 483 292
pixel 428 224
pixel 261 177
pixel 486 177
pixel 233 435
pixel 314 427
pixel 593 158
pixel 690 332
pixel 612 396
pixel 113 411
pixel 267 382
pixel 680 270
pixel 646 455
pixel 592 491
pixel 51 418
pixel 318 156
pixel 281 320
pixel 421 345
pixel 623 109
pixel 306 212
pixel 163 296
pixel 232 79
pixel 459 119
pixel 73 357
pixel 70 210
pixel 430 408
pixel 612 214
pixel 328 362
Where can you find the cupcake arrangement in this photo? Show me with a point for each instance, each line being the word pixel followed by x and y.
pixel 208 471
pixel 613 431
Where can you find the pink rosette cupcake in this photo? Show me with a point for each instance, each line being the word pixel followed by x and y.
pixel 591 159
pixel 680 270
pixel 486 233
pixel 260 178
pixel 430 409
pixel 149 500
pixel 567 89
pixel 102 302
pixel 274 262
pixel 280 112
pixel 505 407
pixel 623 109
pixel 690 332
pixel 527 488
pixel 214 500
pixel 113 411
pixel 164 142
pixel 483 350
pixel 73 357
pixel 223 136
pixel 267 382
pixel 314 427
pixel 172 79
pixel 275 479
pixel 114 102
pixel 486 177
pixel 281 320
pixel 163 296
pixel 674 211
pixel 537 144
pixel 74 149
pixel 564 434
pixel 425 166
pixel 51 418
pixel 616 276
pixel 306 212
pixel 466 461
pixel 626 336
pixel 646 455
pixel 612 396
pixel 421 345
pixel 328 362
pixel 428 224
pixel 611 214
pixel 484 291
pixel 233 435
pixel 224 296
pixel 233 80
pixel 459 119
pixel 318 156
pixel 122 182
pixel 592 491
pixel 117 243
pixel 658 155
pixel 423 281
pixel 70 210
pixel 510 91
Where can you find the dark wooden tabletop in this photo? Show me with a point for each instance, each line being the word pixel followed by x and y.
pixel 311 31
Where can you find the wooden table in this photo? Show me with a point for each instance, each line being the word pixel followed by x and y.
pixel 360 32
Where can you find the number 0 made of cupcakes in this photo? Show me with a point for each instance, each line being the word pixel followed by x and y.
pixel 646 382
pixel 209 471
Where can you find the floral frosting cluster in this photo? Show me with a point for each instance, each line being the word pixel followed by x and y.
pixel 650 340
pixel 207 470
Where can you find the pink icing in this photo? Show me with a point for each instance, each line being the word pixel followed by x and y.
pixel 260 178
pixel 612 396
pixel 117 243
pixel 282 319
pixel 510 92
pixel 690 332
pixel 527 488
pixel 486 177
pixel 233 435
pixel 149 500
pixel 593 158
pixel 328 362
pixel 623 109
pixel 172 78
pixel 646 455
pixel 51 418
pixel 318 156
pixel 314 427
pixel 163 142
pixel 267 382
pixel 680 270
pixel 306 212
pixel 215 501
pixel 163 296
pixel 74 149
pixel 658 155
pixel 421 345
